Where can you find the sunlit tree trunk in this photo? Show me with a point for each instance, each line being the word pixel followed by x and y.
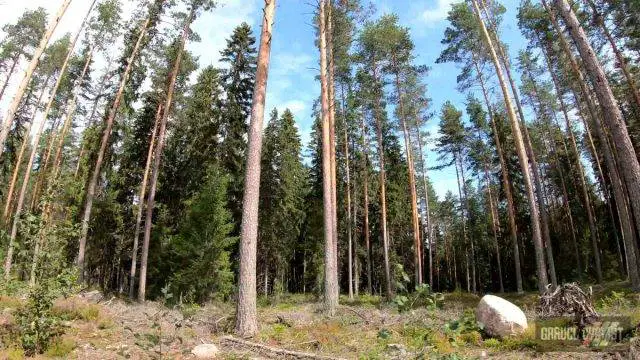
pixel 36 141
pixel 523 158
pixel 506 184
pixel 365 206
pixel 618 131
pixel 141 201
pixel 332 129
pixel 153 181
pixel 349 229
pixel 25 142
pixel 383 192
pixel 17 98
pixel 246 312
pixel 629 166
pixel 412 179
pixel 425 199
pixel 68 120
pixel 91 186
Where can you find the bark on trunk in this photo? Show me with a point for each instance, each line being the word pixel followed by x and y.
pixel 23 147
pixel 15 103
pixel 141 202
pixel 383 194
pixel 425 199
pixel 506 183
pixel 246 313
pixel 91 186
pixel 365 207
pixel 69 120
pixel 523 158
pixel 153 182
pixel 629 166
pixel 417 256
pixel 332 132
pixel 348 191
pixel 36 140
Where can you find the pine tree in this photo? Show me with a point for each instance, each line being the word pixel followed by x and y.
pixel 238 83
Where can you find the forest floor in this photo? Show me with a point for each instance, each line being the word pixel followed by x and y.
pixel 109 327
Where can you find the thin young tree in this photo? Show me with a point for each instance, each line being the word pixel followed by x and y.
pixel 246 312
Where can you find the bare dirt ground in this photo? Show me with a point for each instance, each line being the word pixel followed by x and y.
pixel 97 327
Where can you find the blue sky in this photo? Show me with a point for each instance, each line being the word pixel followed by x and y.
pixel 294 57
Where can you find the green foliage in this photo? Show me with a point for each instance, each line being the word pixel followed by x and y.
pixel 615 301
pixel 35 321
pixel 421 296
pixel 464 329
pixel 199 254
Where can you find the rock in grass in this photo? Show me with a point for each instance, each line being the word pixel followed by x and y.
pixel 500 317
pixel 205 351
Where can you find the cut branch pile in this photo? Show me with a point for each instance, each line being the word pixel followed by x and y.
pixel 567 299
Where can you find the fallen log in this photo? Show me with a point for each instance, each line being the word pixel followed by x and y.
pixel 273 351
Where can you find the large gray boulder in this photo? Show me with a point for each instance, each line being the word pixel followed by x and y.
pixel 500 317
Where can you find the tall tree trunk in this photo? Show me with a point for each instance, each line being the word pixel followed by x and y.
pixel 463 216
pixel 495 225
pixel 246 313
pixel 535 168
pixel 27 174
pixel 91 186
pixel 506 183
pixel 18 164
pixel 425 199
pixel 383 193
pixel 412 179
pixel 158 156
pixel 332 131
pixel 613 118
pixel 365 207
pixel 348 191
pixel 68 120
pixel 17 98
pixel 600 20
pixel 629 165
pixel 46 212
pixel 141 201
pixel 11 69
pixel 593 232
pixel 522 156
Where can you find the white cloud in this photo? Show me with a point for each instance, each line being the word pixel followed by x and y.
pixel 217 25
pixel 439 13
pixel 295 106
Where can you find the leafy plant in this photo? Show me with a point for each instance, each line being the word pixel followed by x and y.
pixel 464 329
pixel 37 325
pixel 422 296
pixel 614 301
